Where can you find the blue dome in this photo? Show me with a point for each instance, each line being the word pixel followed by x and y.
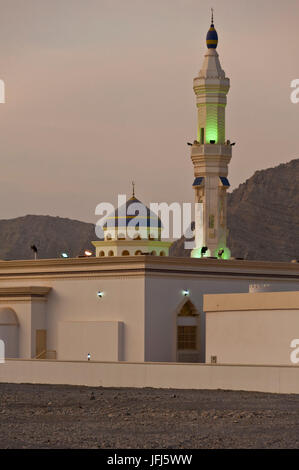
pixel 131 210
pixel 212 38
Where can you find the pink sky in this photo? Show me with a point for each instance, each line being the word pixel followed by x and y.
pixel 99 92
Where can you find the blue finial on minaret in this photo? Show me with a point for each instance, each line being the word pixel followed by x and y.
pixel 212 36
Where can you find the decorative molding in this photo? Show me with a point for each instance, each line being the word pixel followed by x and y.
pixel 24 292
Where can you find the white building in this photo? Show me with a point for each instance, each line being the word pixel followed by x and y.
pixel 131 302
pixel 138 308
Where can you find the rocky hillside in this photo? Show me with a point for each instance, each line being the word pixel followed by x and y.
pixel 263 221
pixel 263 216
pixel 51 235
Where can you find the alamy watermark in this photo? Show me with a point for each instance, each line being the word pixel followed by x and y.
pixel 295 93
pixel 294 356
pixel 2 91
pixel 136 220
pixel 2 351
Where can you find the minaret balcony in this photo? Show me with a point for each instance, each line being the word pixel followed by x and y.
pixel 211 149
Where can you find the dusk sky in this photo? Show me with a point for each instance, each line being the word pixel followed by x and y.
pixel 99 93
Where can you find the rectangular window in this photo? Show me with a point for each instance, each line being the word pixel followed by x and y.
pixel 186 337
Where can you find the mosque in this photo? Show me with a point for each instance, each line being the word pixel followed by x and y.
pixel 132 302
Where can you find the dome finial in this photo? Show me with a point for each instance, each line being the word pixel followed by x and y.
pixel 133 189
pixel 212 19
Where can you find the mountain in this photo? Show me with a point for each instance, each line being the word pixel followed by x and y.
pixel 263 222
pixel 51 235
pixel 263 216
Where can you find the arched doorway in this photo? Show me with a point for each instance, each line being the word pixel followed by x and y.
pixel 9 332
pixel 187 333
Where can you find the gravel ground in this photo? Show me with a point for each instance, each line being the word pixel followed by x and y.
pixel 59 416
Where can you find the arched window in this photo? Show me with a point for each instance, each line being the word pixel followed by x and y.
pixel 187 310
pixel 110 253
pixel 154 253
pixel 162 253
pixel 138 253
pixel 102 253
pixel 125 253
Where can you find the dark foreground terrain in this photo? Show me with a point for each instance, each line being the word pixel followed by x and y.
pixel 44 416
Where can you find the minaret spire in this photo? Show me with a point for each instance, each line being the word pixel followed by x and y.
pixel 212 36
pixel 133 189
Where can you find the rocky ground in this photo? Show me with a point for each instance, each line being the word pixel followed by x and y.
pixel 44 416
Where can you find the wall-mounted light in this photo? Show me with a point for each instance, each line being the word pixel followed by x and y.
pixel 185 292
pixel 88 357
pixel 100 294
pixel 64 255
pixel 88 253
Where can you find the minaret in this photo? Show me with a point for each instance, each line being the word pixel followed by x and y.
pixel 210 155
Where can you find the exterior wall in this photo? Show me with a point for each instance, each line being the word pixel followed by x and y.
pixel 144 293
pixel 272 379
pixel 252 328
pixel 77 300
pixel 31 316
pixel 163 300
pixel 102 340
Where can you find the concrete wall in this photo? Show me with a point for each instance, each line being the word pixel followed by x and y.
pixel 251 328
pixel 272 379
pixel 102 340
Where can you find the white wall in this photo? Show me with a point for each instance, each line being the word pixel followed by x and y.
pixel 163 299
pixel 146 304
pixel 252 337
pixel 77 300
pixel 272 379
pixel 102 340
